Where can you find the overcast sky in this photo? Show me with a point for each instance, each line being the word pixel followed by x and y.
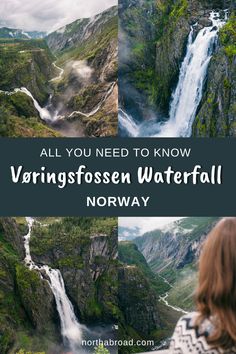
pixel 48 15
pixel 146 224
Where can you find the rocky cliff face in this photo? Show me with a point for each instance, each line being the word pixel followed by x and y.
pixel 137 35
pixel 26 63
pixel 175 19
pixel 177 246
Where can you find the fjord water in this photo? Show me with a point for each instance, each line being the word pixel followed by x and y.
pixel 71 330
pixel 188 93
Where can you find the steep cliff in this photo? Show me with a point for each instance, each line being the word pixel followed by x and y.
pixel 138 303
pixel 24 63
pixel 137 56
pixel 85 251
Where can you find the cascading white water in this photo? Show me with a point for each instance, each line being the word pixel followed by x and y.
pixel 127 124
pixel 52 116
pixel 188 93
pixel 71 330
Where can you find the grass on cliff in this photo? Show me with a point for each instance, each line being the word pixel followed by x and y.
pixel 228 37
pixel 93 46
pixel 12 125
pixel 79 230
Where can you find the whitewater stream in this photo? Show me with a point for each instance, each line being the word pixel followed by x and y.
pixel 164 298
pixel 188 93
pixel 71 330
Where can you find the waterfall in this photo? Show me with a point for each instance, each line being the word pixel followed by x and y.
pixel 43 112
pixel 71 330
pixel 188 93
pixel 127 124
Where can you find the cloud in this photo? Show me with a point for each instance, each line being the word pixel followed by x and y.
pixel 146 224
pixel 48 15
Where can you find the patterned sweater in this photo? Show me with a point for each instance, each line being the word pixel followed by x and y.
pixel 187 339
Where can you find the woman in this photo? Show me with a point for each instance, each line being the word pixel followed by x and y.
pixel 213 328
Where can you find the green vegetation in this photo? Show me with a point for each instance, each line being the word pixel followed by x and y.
pixel 19 287
pixel 101 350
pixel 79 230
pixel 20 61
pixel 228 37
pixel 130 255
pixel 23 351
pixel 86 253
pixel 84 250
pixel 12 125
pixel 94 46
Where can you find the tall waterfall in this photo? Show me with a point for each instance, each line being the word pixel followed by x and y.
pixel 188 93
pixel 71 330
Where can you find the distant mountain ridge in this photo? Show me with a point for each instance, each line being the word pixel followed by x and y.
pixel 80 30
pixel 10 33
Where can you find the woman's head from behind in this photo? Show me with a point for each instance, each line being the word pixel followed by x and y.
pixel 216 293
